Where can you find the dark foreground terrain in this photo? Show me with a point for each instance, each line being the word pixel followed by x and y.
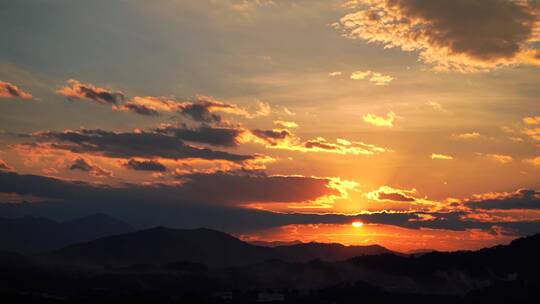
pixel 163 265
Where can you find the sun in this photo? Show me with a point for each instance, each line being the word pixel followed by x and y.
pixel 357 224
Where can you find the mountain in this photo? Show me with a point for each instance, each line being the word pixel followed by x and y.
pixel 164 245
pixel 209 247
pixel 326 251
pixel 500 274
pixel 36 234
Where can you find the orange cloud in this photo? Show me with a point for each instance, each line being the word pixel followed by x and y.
pixel 500 158
pixel 9 90
pixel 79 90
pixel 467 136
pixel 380 121
pixel 374 77
pixel 149 105
pixel 84 165
pixel 441 156
pixel 532 120
pixel 285 124
pixel 535 161
pixel 4 166
pixel 533 133
pixel 436 106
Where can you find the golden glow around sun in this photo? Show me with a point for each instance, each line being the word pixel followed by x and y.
pixel 357 224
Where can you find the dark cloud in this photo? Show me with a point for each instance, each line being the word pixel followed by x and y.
pixel 145 165
pixel 9 90
pixel 215 136
pixel 203 110
pixel 212 188
pixel 131 144
pixel 84 165
pixel 320 144
pixel 199 112
pixel 206 201
pixel 78 90
pixel 461 34
pixel 140 109
pixel 395 196
pixel 521 199
pixel 256 187
pixel 272 137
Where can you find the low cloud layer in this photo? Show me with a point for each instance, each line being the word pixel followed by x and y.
pixel 520 199
pixel 191 204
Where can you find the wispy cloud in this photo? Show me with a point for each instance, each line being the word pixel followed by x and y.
pixel 467 136
pixel 374 77
pixel 441 156
pixel 500 158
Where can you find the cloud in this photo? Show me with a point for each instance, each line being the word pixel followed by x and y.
pixel 145 165
pixel 386 193
pixel 264 108
pixel 285 140
pixel 215 136
pixel 520 199
pixel 191 204
pixel 533 133
pixel 150 105
pixel 204 109
pixel 532 120
pixel 374 77
pixel 535 161
pixel 437 106
pixel 467 136
pixel 273 137
pixel 334 74
pixel 84 165
pixel 82 91
pixel 441 156
pixel 380 121
pixel 4 166
pixel 341 146
pixel 143 144
pixel 9 90
pixel 460 35
pixel 285 124
pixel 500 158
pixel 211 189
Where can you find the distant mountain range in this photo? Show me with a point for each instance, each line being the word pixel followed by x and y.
pixel 36 234
pixel 164 265
pixel 209 247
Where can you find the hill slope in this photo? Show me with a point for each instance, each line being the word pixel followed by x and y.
pixel 36 234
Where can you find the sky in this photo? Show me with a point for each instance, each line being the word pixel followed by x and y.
pixel 277 120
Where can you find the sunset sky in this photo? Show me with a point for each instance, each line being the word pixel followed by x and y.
pixel 277 120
